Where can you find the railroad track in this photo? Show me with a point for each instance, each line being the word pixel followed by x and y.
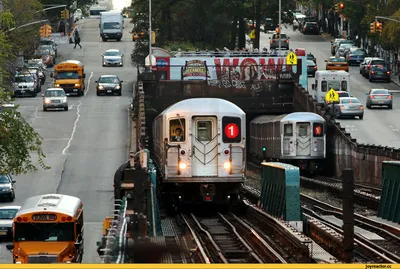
pixel 225 239
pixel 361 196
pixel 364 195
pixel 390 246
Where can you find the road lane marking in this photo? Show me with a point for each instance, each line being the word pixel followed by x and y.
pixel 394 128
pixel 78 115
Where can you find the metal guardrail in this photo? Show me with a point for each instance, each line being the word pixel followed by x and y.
pixel 114 251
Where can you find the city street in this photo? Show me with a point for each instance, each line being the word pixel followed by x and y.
pixel 85 145
pixel 380 126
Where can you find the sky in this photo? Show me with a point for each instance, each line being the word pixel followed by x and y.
pixel 120 4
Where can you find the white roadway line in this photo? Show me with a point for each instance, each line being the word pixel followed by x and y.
pixel 78 115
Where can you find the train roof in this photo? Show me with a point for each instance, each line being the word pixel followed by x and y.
pixel 296 116
pixel 58 203
pixel 204 106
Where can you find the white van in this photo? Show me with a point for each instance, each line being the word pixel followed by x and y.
pixel 326 80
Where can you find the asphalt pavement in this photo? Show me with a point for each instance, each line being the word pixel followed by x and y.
pixel 85 145
pixel 380 126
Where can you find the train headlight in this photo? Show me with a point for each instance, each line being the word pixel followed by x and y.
pixel 182 165
pixel 227 165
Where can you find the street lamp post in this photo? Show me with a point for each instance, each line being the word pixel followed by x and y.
pixel 150 48
pixel 280 26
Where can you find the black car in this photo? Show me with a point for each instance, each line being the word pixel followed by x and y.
pixel 311 28
pixel 311 57
pixel 311 68
pixel 269 25
pixel 7 214
pixel 7 190
pixel 109 84
pixel 379 72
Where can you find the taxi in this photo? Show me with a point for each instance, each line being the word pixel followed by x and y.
pixel 337 63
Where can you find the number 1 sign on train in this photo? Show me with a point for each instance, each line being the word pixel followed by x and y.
pixel 231 130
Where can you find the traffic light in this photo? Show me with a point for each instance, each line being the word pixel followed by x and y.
pixel 42 31
pixel 372 28
pixel 65 14
pixel 378 27
pixel 264 153
pixel 277 33
pixel 153 37
pixel 337 8
pixel 341 6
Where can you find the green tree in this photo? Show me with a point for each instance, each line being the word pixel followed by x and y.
pixel 391 31
pixel 17 138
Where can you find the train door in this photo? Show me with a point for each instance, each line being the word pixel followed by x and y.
pixel 205 147
pixel 303 139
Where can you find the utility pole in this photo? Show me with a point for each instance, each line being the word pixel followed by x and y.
pixel 150 47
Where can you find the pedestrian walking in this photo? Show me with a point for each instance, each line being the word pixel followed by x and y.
pixel 77 39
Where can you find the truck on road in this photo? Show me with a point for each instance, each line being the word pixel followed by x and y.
pixel 111 25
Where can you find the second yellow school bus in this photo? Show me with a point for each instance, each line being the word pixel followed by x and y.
pixel 49 229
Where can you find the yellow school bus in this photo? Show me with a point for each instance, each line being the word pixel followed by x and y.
pixel 70 75
pixel 48 229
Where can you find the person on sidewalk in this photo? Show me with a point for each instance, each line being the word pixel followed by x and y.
pixel 77 39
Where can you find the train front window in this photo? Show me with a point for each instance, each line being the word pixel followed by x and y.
pixel 204 131
pixel 288 130
pixel 334 85
pixel 344 85
pixel 44 232
pixel 177 130
pixel 303 129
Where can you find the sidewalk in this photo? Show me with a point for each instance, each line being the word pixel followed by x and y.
pixel 395 79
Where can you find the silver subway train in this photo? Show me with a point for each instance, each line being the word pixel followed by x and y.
pixel 199 148
pixel 298 138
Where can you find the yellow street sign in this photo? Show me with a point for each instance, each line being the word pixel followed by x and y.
pixel 332 96
pixel 291 58
pixel 253 34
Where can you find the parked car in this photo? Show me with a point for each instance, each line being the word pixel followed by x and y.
pixel 334 45
pixel 55 98
pixel 364 64
pixel 269 25
pixel 109 84
pixel 374 61
pixel 46 56
pixel 34 66
pixel 7 190
pixel 274 42
pixel 311 68
pixel 379 72
pixel 24 85
pixel 379 97
pixel 49 42
pixel 7 214
pixel 311 28
pixel 337 63
pixel 355 57
pixel 349 107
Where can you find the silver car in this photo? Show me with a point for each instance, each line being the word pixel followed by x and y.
pixel 379 97
pixel 7 214
pixel 364 64
pixel 55 98
pixel 349 107
pixel 113 57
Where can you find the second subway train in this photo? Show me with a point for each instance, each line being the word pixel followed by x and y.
pixel 298 138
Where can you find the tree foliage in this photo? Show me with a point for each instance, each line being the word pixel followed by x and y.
pixel 206 24
pixel 17 138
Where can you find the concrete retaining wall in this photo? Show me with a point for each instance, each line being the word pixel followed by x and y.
pixel 344 151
